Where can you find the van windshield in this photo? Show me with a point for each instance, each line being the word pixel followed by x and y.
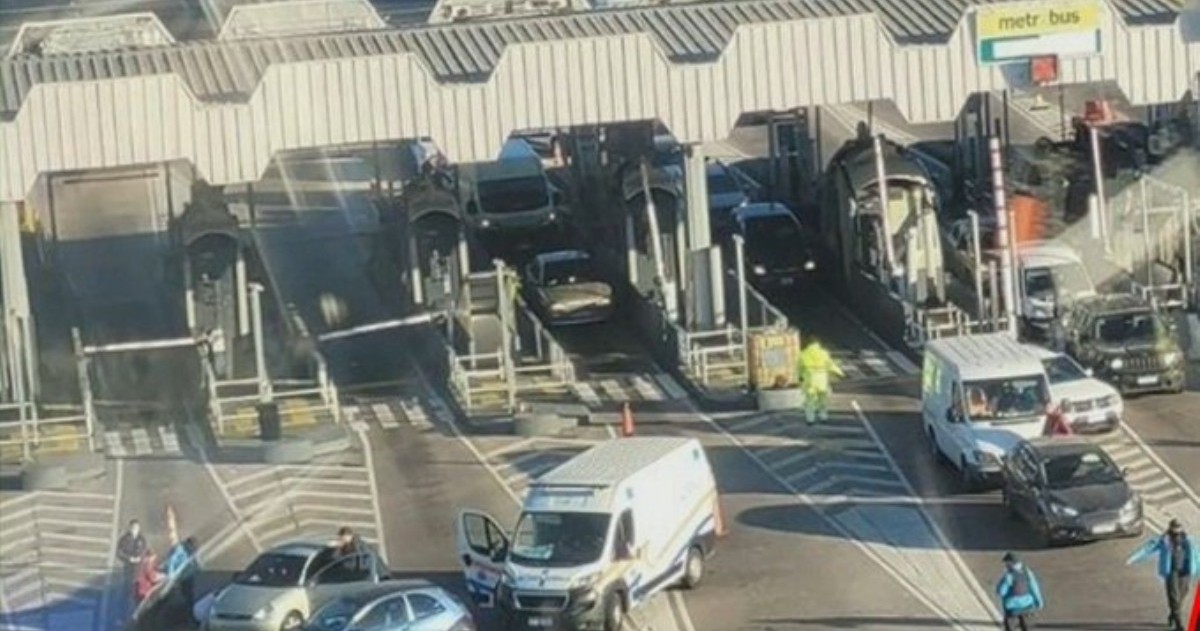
pixel 559 539
pixel 998 400
pixel 1068 280
pixel 513 195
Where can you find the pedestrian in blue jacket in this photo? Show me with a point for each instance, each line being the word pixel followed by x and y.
pixel 1020 595
pixel 1178 563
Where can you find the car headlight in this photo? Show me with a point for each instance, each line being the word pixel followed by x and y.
pixel 552 216
pixel 985 458
pixel 264 613
pixel 1108 401
pixel 1062 510
pixel 1131 507
pixel 486 223
pixel 1170 358
pixel 1116 363
pixel 560 307
pixel 585 581
pixel 810 266
pixel 759 270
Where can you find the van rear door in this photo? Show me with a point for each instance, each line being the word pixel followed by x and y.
pixel 482 549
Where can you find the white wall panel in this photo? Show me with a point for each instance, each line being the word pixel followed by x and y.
pixel 113 122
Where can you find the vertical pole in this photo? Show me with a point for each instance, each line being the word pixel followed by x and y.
pixel 18 381
pixel 1007 137
pixel 885 220
pixel 977 254
pixel 631 258
pixel 1098 173
pixel 31 367
pixel 189 293
pixel 1147 247
pixel 1062 112
pixel 260 348
pixel 504 304
pixel 1185 211
pixel 85 384
pixel 1004 235
pixel 243 294
pixel 739 245
pixel 994 292
pixel 464 257
pixel 661 283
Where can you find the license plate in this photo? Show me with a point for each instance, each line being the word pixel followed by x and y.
pixel 1104 529
pixel 541 622
pixel 1148 380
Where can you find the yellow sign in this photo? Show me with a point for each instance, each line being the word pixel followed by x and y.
pixel 1006 21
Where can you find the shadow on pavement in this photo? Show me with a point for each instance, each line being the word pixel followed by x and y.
pixel 887 622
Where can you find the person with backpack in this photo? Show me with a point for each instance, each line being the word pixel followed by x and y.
pixel 1178 563
pixel 1020 594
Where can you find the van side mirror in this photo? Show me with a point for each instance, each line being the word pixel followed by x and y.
pixel 952 417
pixel 499 554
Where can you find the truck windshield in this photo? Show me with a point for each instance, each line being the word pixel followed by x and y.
pixel 1126 328
pixel 998 400
pixel 514 195
pixel 559 539
pixel 1067 280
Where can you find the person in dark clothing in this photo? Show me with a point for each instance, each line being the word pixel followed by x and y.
pixel 131 548
pixel 1178 563
pixel 1020 595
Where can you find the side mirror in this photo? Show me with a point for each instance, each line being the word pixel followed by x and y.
pixel 951 416
pixel 499 554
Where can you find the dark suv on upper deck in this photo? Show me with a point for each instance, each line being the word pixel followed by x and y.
pixel 1125 341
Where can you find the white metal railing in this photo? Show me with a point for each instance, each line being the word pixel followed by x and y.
pixel 704 354
pixel 552 359
pixel 1165 296
pixel 34 429
pixel 760 312
pixel 923 325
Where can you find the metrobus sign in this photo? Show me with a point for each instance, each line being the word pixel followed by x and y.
pixel 1013 33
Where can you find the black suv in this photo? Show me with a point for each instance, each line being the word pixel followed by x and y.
pixel 1125 341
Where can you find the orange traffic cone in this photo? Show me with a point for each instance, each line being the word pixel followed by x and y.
pixel 172 525
pixel 719 517
pixel 627 427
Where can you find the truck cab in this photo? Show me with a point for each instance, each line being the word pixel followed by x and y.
pixel 1053 277
pixel 980 396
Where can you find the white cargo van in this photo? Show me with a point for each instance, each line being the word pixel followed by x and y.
pixel 597 536
pixel 1052 277
pixel 511 194
pixel 980 395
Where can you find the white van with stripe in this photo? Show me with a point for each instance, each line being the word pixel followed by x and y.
pixel 597 536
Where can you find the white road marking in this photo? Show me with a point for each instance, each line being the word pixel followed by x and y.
pixel 369 464
pixel 114 444
pixel 141 442
pixel 646 389
pixel 385 416
pixel 169 439
pixel 415 411
pixel 613 389
pixel 586 393
pixel 902 361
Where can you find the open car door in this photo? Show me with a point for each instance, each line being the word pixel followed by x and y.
pixel 482 548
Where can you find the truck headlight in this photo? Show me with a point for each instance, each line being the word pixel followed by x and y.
pixel 810 265
pixel 585 581
pixel 486 223
pixel 759 270
pixel 1116 363
pixel 552 217
pixel 1170 358
pixel 264 613
pixel 1062 510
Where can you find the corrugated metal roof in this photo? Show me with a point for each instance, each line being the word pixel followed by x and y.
pixel 469 52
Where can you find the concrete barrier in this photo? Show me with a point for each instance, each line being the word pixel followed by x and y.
pixel 779 400
pixel 45 477
pixel 533 425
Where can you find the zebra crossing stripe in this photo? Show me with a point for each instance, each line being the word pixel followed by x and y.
pixel 414 411
pixel 112 441
pixel 903 363
pixel 169 440
pixel 141 441
pixel 614 390
pixel 586 393
pixel 646 389
pixel 670 386
pixel 385 415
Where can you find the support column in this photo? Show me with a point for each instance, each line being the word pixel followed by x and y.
pixel 16 291
pixel 699 239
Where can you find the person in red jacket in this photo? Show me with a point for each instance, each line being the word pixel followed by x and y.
pixel 148 577
pixel 1056 420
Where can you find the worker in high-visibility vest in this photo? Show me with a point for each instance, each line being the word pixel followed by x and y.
pixel 816 369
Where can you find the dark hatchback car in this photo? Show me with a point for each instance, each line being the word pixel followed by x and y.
pixel 1070 490
pixel 779 251
pixel 1125 341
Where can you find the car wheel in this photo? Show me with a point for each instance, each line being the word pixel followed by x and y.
pixel 614 612
pixel 292 621
pixel 693 568
pixel 1047 535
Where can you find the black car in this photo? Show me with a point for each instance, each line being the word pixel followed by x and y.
pixel 1125 341
pixel 779 252
pixel 1070 490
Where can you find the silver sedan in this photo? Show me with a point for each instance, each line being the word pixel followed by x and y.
pixel 409 605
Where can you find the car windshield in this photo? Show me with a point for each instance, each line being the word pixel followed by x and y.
pixel 1125 328
pixel 559 539
pixel 1063 369
pixel 274 570
pixel 567 272
pixel 1060 280
pixel 334 616
pixel 774 229
pixel 1080 469
pixel 720 182
pixel 514 195
pixel 997 400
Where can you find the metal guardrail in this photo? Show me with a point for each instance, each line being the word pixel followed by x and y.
pixel 33 431
pixel 923 325
pixel 1165 296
